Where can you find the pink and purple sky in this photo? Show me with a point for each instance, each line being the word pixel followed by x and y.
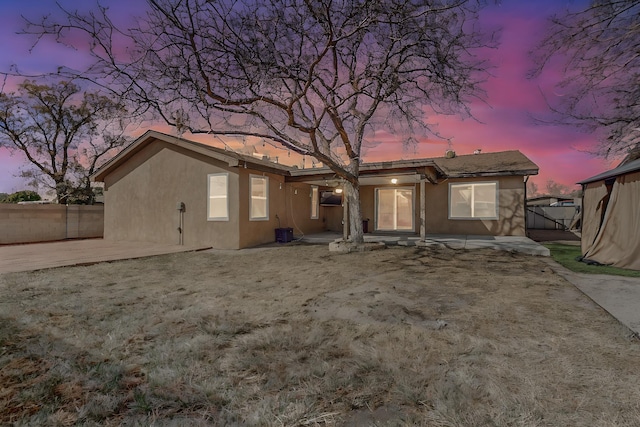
pixel 504 124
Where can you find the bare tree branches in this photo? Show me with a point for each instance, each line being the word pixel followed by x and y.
pixel 600 91
pixel 64 135
pixel 311 75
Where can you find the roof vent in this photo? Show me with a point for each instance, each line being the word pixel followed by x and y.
pixel 449 154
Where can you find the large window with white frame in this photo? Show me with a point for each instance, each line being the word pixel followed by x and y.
pixel 218 204
pixel 477 200
pixel 315 202
pixel 258 198
pixel 394 209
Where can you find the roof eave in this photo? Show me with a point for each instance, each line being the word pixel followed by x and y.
pixel 526 172
pixel 145 139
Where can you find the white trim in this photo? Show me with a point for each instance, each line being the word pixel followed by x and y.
pixel 209 197
pixel 472 202
pixel 265 197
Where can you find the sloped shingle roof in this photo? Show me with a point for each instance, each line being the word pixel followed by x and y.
pixel 486 164
pixel 501 163
pixel 230 157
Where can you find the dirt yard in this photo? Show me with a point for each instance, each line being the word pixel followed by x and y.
pixel 298 336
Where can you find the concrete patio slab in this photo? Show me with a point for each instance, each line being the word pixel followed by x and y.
pixel 452 241
pixel 37 256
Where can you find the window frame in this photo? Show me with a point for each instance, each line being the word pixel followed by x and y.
pixel 266 197
pixel 209 197
pixel 315 202
pixel 473 185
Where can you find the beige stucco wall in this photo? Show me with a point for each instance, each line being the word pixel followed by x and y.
pixel 256 232
pixel 289 207
pixel 42 223
pixel 141 199
pixel 511 209
pixel 297 210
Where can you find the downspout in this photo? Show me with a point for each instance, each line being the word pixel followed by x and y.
pixel 181 228
pixel 423 211
pixel 181 208
pixel 584 189
pixel 526 222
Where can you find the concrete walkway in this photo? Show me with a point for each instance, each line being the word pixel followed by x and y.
pixel 618 295
pixel 505 243
pixel 36 256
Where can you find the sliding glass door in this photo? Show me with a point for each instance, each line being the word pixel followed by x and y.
pixel 394 209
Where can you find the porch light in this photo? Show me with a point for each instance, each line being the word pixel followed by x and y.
pixel 394 180
pixel 338 190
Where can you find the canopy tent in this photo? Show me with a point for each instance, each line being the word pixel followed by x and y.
pixel 611 217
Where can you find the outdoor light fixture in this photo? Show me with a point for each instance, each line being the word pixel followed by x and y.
pixel 338 190
pixel 394 180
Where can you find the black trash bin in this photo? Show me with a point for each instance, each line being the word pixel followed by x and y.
pixel 284 235
pixel 365 225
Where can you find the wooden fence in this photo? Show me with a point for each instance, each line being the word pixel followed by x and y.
pixel 550 217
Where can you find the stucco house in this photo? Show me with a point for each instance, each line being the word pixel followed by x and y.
pixel 611 216
pixel 171 190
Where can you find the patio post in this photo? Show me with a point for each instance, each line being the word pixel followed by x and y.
pixel 423 211
pixel 345 218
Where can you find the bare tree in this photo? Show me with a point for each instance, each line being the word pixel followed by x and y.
pixel 532 188
pixel 553 188
pixel 600 91
pixel 64 134
pixel 316 77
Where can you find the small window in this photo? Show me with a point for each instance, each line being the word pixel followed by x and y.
pixel 218 206
pixel 315 202
pixel 259 198
pixel 477 200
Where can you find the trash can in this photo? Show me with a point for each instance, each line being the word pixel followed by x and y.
pixel 284 235
pixel 365 225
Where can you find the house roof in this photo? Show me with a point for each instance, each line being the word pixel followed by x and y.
pixel 232 158
pixel 620 170
pixel 486 164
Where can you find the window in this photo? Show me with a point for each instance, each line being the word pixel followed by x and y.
pixel 478 200
pixel 394 209
pixel 315 202
pixel 259 198
pixel 218 206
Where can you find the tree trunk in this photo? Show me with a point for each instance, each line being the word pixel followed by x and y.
pixel 355 216
pixel 62 191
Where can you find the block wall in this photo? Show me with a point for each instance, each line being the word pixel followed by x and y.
pixel 42 223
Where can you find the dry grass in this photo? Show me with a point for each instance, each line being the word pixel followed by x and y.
pixel 298 336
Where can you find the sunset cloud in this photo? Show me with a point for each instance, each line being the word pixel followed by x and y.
pixel 505 122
